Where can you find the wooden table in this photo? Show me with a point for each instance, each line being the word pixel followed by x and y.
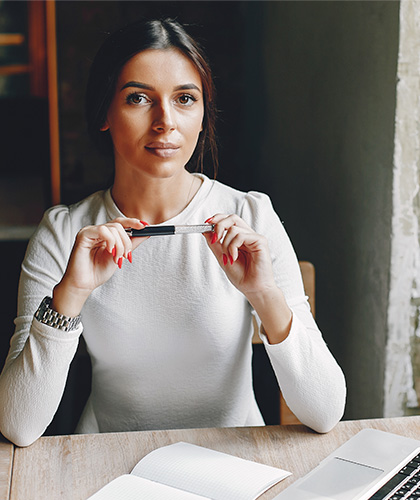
pixel 74 467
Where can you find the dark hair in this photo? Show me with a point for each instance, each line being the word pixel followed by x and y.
pixel 117 49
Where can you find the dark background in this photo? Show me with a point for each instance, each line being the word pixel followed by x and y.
pixel 306 93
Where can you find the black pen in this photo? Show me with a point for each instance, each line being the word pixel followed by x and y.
pixel 168 230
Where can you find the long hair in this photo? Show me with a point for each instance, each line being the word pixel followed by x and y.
pixel 117 49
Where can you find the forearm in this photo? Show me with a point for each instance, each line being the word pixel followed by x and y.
pixel 309 377
pixel 274 313
pixel 68 300
pixel 32 384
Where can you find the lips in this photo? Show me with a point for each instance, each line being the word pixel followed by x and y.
pixel 162 149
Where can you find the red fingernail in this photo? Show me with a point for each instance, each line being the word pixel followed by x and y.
pixel 130 257
pixel 231 259
pixel 214 238
pixel 120 262
pixel 224 259
pixel 114 251
pixel 208 220
pixel 144 223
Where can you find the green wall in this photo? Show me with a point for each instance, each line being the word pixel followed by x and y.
pixel 326 157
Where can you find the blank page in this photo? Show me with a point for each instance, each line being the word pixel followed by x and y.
pixel 207 472
pixel 129 487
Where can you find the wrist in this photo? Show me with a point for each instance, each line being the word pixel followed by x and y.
pixel 68 301
pixel 274 313
pixel 47 315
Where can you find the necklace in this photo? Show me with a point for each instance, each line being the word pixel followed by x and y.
pixel 195 181
pixel 191 194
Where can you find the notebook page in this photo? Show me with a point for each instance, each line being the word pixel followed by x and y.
pixel 207 472
pixel 129 487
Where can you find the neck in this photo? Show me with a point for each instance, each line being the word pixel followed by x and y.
pixel 155 200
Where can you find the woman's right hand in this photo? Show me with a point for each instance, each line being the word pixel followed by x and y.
pixel 97 252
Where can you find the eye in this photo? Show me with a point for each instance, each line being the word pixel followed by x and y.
pixel 186 99
pixel 136 98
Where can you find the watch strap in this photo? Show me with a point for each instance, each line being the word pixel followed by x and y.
pixel 46 315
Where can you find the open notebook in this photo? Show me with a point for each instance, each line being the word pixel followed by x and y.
pixel 189 472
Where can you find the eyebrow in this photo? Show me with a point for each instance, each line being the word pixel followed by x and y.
pixel 145 86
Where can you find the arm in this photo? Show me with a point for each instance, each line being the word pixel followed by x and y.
pixel 263 266
pixel 33 379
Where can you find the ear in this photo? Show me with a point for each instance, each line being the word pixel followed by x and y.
pixel 104 127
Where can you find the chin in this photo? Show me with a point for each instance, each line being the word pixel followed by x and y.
pixel 166 171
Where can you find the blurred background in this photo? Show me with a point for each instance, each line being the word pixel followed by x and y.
pixel 307 99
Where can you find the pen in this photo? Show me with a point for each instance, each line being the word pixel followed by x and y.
pixel 167 230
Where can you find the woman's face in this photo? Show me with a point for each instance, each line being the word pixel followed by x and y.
pixel 156 114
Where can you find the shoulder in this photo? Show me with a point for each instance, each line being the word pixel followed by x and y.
pixel 241 202
pixel 62 222
pixel 78 214
pixel 90 210
pixel 257 210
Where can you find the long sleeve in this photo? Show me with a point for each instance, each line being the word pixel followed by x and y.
pixel 34 376
pixel 311 381
pixel 309 377
pixel 171 313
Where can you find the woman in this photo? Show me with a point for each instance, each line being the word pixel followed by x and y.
pixel 167 320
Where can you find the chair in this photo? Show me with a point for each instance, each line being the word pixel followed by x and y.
pixel 308 275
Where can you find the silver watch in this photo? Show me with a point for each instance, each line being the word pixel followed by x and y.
pixel 49 317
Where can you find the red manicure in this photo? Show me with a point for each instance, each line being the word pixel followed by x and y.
pixel 208 220
pixel 144 223
pixel 130 257
pixel 120 260
pixel 224 259
pixel 214 238
pixel 231 259
pixel 114 251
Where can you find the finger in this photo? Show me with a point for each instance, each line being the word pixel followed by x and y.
pixel 95 236
pixel 125 239
pixel 129 244
pixel 129 222
pixel 228 220
pixel 213 236
pixel 135 242
pixel 232 241
pixel 124 223
pixel 123 244
pixel 236 240
pixel 109 234
pixel 250 242
pixel 215 248
pixel 223 222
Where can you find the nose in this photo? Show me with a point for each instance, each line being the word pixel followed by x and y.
pixel 164 119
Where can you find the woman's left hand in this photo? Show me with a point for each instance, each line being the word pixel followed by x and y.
pixel 245 257
pixel 242 253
